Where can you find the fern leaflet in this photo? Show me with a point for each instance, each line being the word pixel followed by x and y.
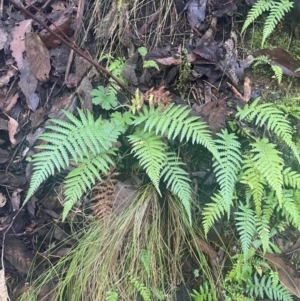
pixel 177 179
pixel 291 178
pixel 213 211
pixel 150 151
pixel 227 168
pixel 268 162
pixel 174 122
pixel 245 226
pixel 277 11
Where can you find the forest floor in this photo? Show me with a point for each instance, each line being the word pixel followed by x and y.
pixel 201 59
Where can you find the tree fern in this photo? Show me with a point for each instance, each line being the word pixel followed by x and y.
pixel 150 150
pixel 174 122
pixel 213 211
pixel 266 114
pixel 277 12
pixel 177 180
pixel 245 226
pixel 79 140
pixel 228 166
pixel 268 162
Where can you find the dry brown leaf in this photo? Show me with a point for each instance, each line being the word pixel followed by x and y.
pixel 287 274
pixel 157 97
pixel 28 82
pixel 61 27
pixel 37 56
pixel 4 79
pixel 12 127
pixel 16 199
pixel 10 102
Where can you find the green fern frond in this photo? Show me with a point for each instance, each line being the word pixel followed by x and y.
pixel 257 10
pixel 174 122
pixel 252 177
pixel 228 166
pixel 277 12
pixel 260 286
pixel 205 292
pixel 151 153
pixel 245 226
pixel 141 288
pixel 291 178
pixel 111 296
pixel 290 209
pixel 177 180
pixel 82 178
pixel 273 118
pixel 70 140
pixel 268 162
pixel 213 211
pixel 278 73
pixel 263 229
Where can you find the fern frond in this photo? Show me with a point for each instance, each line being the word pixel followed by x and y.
pixel 177 180
pixel 291 178
pixel 245 226
pixel 111 296
pixel 213 211
pixel 268 162
pixel 263 285
pixel 290 209
pixel 82 178
pixel 141 288
pixel 174 122
pixel 151 153
pixel 257 9
pixel 277 11
pixel 65 140
pixel 252 177
pixel 278 73
pixel 205 292
pixel 228 166
pixel 263 229
pixel 274 118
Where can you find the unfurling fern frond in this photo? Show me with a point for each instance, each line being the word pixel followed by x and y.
pixel 245 226
pixel 151 153
pixel 173 122
pixel 82 178
pixel 257 10
pixel 76 140
pixel 228 166
pixel 252 177
pixel 273 118
pixel 268 162
pixel 213 211
pixel 277 12
pixel 177 180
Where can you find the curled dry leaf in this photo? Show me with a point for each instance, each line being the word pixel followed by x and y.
pixel 37 56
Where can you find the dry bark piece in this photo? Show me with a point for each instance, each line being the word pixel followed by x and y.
pixel 37 56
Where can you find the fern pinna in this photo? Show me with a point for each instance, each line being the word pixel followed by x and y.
pixel 87 141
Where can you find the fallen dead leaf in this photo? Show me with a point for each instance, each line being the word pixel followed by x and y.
pixel 37 56
pixel 11 102
pixel 12 127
